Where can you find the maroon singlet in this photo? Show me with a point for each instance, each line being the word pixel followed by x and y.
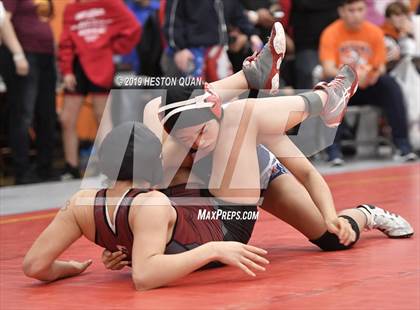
pixel 189 232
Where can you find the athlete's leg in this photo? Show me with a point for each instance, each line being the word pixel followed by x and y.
pixel 231 86
pixel 68 119
pixel 279 114
pixel 289 201
pixel 235 163
pixel 356 215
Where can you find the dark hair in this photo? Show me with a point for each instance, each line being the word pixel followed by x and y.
pixel 347 2
pixel 143 148
pixel 396 8
pixel 186 118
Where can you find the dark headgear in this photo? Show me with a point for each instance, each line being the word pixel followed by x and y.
pixel 139 149
pixel 179 111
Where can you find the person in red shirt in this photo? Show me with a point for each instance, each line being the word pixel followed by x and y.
pixel 93 31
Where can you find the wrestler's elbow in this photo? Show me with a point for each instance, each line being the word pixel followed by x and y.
pixel 143 283
pixel 34 267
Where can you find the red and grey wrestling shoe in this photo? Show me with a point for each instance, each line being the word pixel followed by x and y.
pixel 392 225
pixel 339 92
pixel 262 70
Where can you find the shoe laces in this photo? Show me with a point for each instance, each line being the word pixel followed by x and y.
pixel 337 82
pixel 253 57
pixel 383 217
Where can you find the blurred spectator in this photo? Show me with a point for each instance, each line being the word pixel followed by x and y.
pixel 29 73
pixel 353 40
pixel 398 30
pixel 93 31
pixel 144 59
pixel 197 35
pixel 376 9
pixel 2 15
pixel 8 36
pixel 308 20
pixel 243 36
pixel 262 14
pixel 401 46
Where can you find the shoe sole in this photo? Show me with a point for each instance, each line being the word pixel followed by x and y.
pixel 278 42
pixel 402 237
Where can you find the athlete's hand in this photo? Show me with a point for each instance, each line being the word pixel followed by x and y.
pixel 243 256
pixel 342 228
pixel 77 268
pixel 114 261
pixel 70 82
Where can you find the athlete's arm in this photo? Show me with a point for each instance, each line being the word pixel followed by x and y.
pixel 41 260
pixel 152 268
pixel 296 162
pixel 293 159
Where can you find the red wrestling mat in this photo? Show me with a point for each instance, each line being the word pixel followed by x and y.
pixel 379 273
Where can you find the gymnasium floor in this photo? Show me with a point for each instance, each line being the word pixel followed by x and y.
pixel 379 273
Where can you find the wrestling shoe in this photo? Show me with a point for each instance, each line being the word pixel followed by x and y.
pixel 262 70
pixel 392 225
pixel 339 92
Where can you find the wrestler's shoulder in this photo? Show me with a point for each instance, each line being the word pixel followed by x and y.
pixel 152 197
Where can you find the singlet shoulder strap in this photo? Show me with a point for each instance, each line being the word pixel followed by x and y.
pixel 102 230
pixel 100 198
pixel 121 218
pixel 134 192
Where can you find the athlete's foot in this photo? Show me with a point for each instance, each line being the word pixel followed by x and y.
pixel 392 225
pixel 339 91
pixel 262 70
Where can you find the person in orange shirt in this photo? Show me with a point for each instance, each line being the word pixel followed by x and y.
pixel 353 40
